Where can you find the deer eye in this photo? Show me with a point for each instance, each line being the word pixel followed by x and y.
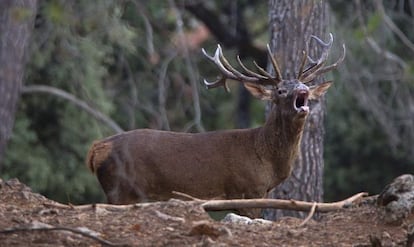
pixel 281 91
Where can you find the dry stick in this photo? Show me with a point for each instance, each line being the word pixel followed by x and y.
pixel 167 217
pixel 186 196
pixel 80 232
pixel 279 204
pixel 214 205
pixel 99 205
pixel 311 213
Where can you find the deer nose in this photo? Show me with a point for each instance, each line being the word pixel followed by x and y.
pixel 302 88
pixel 301 92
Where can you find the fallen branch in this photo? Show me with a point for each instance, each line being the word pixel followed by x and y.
pixel 279 204
pixel 215 205
pixel 99 205
pixel 186 196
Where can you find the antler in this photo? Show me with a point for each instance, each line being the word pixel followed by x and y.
pixel 228 72
pixel 317 67
pixel 314 69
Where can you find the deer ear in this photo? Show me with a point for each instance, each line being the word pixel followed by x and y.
pixel 258 91
pixel 317 91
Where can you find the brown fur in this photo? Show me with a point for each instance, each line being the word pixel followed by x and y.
pixel 97 154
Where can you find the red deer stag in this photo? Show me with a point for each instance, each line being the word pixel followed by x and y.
pixel 144 164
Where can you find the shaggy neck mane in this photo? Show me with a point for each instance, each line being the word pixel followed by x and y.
pixel 279 140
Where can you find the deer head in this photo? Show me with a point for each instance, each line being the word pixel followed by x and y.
pixel 291 95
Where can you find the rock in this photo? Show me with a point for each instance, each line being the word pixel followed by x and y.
pixel 396 201
pixel 235 218
pixel 39 225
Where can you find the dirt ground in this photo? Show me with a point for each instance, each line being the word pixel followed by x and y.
pixel 29 219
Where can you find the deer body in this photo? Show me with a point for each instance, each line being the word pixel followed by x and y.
pixel 144 164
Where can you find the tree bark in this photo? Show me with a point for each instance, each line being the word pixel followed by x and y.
pixel 291 24
pixel 16 25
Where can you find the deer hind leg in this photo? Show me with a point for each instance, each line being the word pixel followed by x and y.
pixel 116 186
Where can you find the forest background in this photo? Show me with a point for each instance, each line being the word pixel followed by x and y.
pixel 96 69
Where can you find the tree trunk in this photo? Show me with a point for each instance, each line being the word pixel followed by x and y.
pixel 291 24
pixel 16 25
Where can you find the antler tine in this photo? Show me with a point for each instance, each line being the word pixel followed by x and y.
pixel 311 70
pixel 239 76
pixel 330 67
pixel 225 73
pixel 228 72
pixel 248 71
pixel 334 65
pixel 274 63
pixel 302 64
pixel 326 47
pixel 217 83
pixel 263 71
pixel 317 67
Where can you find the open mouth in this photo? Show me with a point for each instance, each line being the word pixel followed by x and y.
pixel 301 101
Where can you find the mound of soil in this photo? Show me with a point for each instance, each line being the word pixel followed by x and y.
pixel 29 219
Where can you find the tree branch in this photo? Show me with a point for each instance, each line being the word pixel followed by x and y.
pixel 190 70
pixel 79 103
pixel 394 28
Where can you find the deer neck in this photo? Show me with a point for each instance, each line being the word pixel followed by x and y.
pixel 278 142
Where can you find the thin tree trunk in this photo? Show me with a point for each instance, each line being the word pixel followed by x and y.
pixel 16 25
pixel 243 119
pixel 291 25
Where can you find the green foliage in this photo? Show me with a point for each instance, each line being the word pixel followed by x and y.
pixel 357 156
pixel 368 140
pixel 374 22
pixel 71 50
